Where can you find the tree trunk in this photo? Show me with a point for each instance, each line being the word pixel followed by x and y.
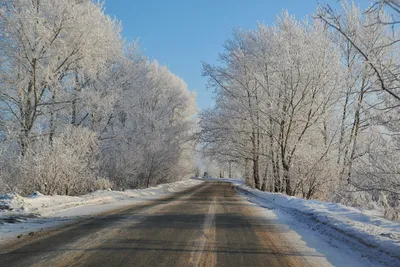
pixel 256 174
pixel 356 130
pixel 256 158
pixel 230 169
pixel 52 118
pixel 286 178
pixel 247 172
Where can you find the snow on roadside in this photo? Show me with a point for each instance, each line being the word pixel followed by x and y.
pixel 21 216
pixel 378 238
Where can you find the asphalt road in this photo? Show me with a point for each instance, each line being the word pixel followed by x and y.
pixel 208 225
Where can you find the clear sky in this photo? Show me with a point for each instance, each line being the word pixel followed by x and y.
pixel 181 34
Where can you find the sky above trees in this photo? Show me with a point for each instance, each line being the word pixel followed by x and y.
pixel 181 34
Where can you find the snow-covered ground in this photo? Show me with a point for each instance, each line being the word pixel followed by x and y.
pixel 331 228
pixel 24 216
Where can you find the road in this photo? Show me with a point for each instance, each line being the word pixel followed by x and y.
pixel 208 225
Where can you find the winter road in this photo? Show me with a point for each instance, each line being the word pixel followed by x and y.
pixel 208 225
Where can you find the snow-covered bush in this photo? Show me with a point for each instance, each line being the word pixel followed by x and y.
pixel 68 166
pixel 102 184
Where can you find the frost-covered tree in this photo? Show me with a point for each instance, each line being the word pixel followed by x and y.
pixel 274 90
pixel 45 45
pixel 311 106
pixel 369 44
pixel 151 132
pixel 78 107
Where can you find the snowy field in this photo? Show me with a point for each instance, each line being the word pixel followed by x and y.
pixel 332 227
pixel 24 216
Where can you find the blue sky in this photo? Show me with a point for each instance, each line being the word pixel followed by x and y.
pixel 181 34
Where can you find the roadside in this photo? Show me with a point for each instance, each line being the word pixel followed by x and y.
pixel 344 236
pixel 330 227
pixel 23 218
pixel 208 225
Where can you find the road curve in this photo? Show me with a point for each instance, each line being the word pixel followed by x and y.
pixel 208 225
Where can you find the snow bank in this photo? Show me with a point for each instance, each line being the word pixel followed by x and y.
pixel 42 205
pixel 365 226
pixel 21 215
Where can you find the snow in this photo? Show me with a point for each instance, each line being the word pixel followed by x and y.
pixel 22 216
pixel 340 233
